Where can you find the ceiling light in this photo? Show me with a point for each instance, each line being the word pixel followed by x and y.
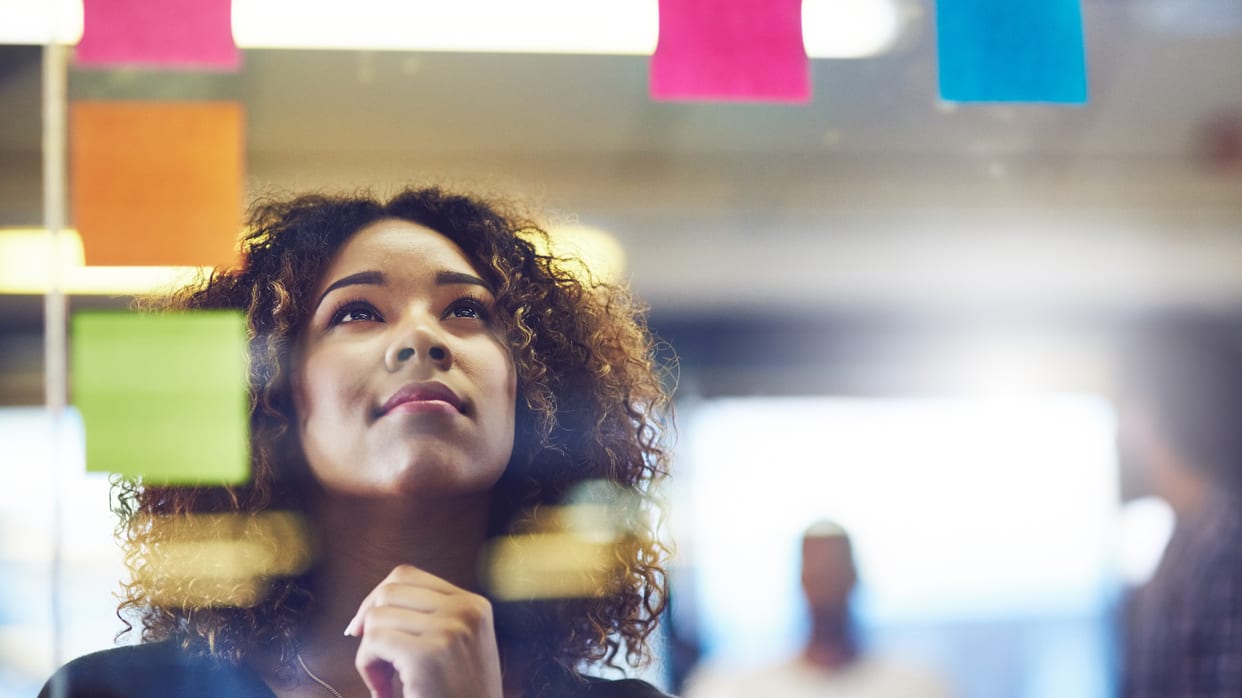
pixel 538 26
pixel 26 268
pixel 849 28
pixel 40 21
pixel 831 28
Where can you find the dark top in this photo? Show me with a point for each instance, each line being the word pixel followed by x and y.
pixel 160 670
pixel 1185 626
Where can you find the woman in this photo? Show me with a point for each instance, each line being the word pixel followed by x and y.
pixel 425 387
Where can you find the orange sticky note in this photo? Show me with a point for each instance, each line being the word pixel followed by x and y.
pixel 157 183
pixel 158 33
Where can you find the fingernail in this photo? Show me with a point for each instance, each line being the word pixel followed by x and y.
pixel 350 629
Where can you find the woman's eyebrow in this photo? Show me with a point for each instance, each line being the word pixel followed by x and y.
pixel 449 278
pixel 371 278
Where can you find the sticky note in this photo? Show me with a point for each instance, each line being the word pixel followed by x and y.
pixel 1011 51
pixel 158 33
pixel 156 183
pixel 163 396
pixel 731 50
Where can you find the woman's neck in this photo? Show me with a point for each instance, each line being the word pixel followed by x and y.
pixel 361 540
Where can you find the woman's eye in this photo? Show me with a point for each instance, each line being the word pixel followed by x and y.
pixel 468 308
pixel 355 313
pixel 357 316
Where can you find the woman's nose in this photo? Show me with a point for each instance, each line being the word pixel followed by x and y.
pixel 415 346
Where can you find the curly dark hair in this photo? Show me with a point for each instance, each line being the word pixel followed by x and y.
pixel 592 405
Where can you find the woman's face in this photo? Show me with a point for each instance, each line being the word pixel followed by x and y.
pixel 404 384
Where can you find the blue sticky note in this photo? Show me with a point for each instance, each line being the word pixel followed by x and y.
pixel 1011 51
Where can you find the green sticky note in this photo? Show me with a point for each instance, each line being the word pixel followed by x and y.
pixel 163 396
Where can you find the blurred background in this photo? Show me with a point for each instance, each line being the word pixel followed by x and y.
pixel 888 310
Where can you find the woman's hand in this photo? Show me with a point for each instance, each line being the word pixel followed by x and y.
pixel 436 638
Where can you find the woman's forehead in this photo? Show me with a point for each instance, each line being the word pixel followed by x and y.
pixel 396 243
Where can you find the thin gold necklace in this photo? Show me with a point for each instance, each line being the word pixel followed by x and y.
pixel 316 679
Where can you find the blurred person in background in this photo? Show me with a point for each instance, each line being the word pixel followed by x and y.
pixel 1180 432
pixel 832 663
pixel 424 387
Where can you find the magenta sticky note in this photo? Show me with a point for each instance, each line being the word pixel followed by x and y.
pixel 158 34
pixel 731 50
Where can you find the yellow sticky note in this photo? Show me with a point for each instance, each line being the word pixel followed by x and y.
pixel 157 183
pixel 163 396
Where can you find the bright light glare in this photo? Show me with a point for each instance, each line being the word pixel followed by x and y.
pixel 549 565
pixel 1016 365
pixel 849 28
pixel 25 268
pixel 542 26
pixel 601 256
pixel 1146 526
pixel 92 561
pixel 958 508
pixel 831 28
pixel 40 21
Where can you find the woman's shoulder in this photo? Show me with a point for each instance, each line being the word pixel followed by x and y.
pixel 155 669
pixel 623 688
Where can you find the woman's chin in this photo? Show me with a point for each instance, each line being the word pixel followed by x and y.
pixel 413 484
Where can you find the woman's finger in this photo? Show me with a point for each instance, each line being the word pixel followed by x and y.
pixel 420 660
pixel 405 586
pixel 416 623
pixel 377 674
pixel 428 637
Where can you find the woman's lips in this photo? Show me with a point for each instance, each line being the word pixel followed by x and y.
pixel 431 396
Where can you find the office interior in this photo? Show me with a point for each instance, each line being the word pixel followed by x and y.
pixel 884 308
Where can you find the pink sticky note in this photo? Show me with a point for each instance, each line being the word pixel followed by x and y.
pixel 731 50
pixel 158 33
